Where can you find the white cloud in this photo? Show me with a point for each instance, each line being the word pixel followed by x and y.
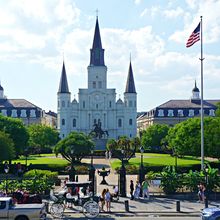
pixel 153 11
pixel 137 2
pixel 173 13
pixel 211 22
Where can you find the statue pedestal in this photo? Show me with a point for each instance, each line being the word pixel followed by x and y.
pixel 100 144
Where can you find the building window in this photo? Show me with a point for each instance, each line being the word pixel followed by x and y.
pixel 130 121
pixel 94 85
pixel 74 122
pixel 63 103
pixel 212 112
pixel 94 121
pixel 130 103
pixel 58 104
pixel 63 135
pixel 191 112
pixel 97 106
pixel 110 104
pixel 100 84
pixel 84 104
pixel 135 103
pixel 68 103
pixel 170 113
pixel 63 121
pixel 180 113
pixel 130 135
pixel 160 113
pixel 119 123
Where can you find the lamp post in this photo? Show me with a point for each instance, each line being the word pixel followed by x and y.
pixel 72 169
pixel 206 170
pixel 92 174
pixel 26 156
pixel 141 169
pixel 122 177
pixel 6 169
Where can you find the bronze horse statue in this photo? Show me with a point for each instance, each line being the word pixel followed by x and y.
pixel 97 132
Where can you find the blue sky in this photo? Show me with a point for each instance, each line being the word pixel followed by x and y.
pixel 35 34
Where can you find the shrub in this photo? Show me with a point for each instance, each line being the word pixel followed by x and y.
pixel 170 180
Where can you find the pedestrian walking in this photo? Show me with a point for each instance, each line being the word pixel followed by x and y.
pixel 137 190
pixel 201 192
pixel 145 189
pixel 106 155
pixel 108 200
pixel 109 155
pixel 132 189
pixel 102 199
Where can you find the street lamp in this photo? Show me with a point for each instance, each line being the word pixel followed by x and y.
pixel 6 169
pixel 26 156
pixel 92 174
pixel 141 169
pixel 72 169
pixel 206 170
pixel 122 177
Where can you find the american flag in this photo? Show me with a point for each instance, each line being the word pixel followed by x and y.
pixel 194 37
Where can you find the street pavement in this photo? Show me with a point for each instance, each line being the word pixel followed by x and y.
pixel 156 208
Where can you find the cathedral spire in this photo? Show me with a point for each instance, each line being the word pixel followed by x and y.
pixel 130 86
pixel 63 88
pixel 97 53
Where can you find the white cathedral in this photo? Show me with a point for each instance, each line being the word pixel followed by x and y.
pixel 97 104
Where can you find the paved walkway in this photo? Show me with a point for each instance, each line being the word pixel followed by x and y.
pixel 161 206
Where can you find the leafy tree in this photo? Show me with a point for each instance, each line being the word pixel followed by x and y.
pixel 74 147
pixel 185 137
pixel 17 132
pixel 154 135
pixel 42 136
pixel 123 148
pixel 6 147
pixel 217 112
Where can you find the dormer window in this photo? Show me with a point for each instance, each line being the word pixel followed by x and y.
pixel 170 113
pixel 191 113
pixel 212 112
pixel 180 113
pixel 160 113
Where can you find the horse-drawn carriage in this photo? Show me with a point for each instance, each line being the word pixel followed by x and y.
pixel 78 194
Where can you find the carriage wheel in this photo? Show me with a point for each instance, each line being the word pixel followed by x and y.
pixel 91 209
pixel 57 210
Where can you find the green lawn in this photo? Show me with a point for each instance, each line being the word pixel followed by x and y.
pixel 158 160
pixel 42 160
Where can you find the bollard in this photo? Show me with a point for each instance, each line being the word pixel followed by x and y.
pixel 178 206
pixel 126 206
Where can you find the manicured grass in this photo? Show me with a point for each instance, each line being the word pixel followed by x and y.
pixel 158 160
pixel 42 160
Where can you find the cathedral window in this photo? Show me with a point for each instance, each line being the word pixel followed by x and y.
pixel 68 103
pixel 170 113
pixel 135 103
pixel 100 84
pixel 94 85
pixel 110 104
pixel 119 123
pixel 84 104
pixel 74 122
pixel 97 106
pixel 130 121
pixel 58 104
pixel 63 103
pixel 63 121
pixel 130 103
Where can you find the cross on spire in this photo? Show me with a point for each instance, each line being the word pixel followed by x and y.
pixel 97 12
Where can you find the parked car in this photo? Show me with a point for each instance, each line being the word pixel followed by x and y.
pixel 11 211
pixel 211 214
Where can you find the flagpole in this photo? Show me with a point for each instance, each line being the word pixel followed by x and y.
pixel 202 114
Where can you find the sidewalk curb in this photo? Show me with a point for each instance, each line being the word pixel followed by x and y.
pixel 146 213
